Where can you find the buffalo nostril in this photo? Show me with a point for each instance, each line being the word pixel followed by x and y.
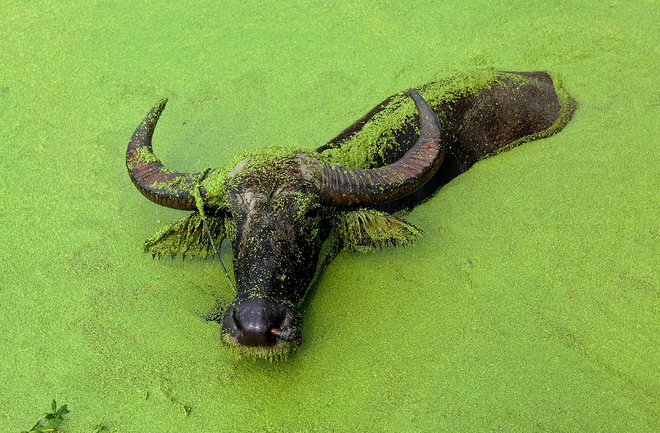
pixel 276 332
pixel 237 321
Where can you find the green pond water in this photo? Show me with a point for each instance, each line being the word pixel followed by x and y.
pixel 530 304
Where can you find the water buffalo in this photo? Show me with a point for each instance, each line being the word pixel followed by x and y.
pixel 287 211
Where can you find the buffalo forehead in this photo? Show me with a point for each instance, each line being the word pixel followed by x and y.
pixel 278 196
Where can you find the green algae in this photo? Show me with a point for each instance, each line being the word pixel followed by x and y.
pixel 274 354
pixel 369 229
pixel 186 237
pixel 167 389
pixel 530 304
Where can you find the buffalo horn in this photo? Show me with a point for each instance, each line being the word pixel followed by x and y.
pixel 342 186
pixel 150 177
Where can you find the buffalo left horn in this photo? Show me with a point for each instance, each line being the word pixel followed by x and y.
pixel 343 186
pixel 150 177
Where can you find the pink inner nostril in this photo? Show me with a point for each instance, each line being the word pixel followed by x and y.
pixel 276 332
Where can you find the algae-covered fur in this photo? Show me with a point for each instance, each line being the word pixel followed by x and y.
pixel 288 212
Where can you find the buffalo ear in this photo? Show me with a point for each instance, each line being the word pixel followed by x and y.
pixel 187 237
pixel 367 229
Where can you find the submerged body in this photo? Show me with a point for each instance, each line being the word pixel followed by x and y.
pixel 287 212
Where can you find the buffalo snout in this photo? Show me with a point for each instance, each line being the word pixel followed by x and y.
pixel 262 322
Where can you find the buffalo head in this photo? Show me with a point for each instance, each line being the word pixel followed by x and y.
pixel 278 208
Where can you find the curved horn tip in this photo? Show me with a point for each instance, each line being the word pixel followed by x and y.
pixel 159 107
pixel 162 102
pixel 414 94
